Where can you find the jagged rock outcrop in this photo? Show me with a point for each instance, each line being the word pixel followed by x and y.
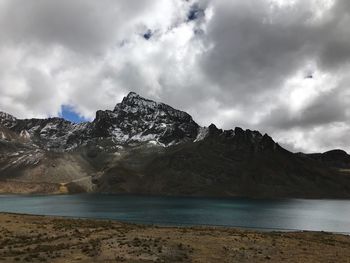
pixel 137 119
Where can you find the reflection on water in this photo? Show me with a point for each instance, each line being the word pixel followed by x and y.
pixel 300 214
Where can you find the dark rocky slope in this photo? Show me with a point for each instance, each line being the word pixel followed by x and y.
pixel 335 158
pixel 150 148
pixel 226 163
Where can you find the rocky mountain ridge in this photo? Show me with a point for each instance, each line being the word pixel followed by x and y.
pixel 142 146
pixel 135 119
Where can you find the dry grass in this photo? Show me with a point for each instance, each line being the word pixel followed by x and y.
pixel 26 238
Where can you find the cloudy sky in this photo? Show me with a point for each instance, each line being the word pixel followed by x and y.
pixel 278 66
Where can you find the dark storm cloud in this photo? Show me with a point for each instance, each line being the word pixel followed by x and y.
pixel 254 49
pixel 327 108
pixel 333 42
pixel 230 62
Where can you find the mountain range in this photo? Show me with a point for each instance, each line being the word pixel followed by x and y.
pixel 146 147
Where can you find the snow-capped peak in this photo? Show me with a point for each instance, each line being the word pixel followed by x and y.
pixel 135 101
pixel 140 119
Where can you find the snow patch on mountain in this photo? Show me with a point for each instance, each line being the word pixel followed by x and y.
pixel 202 134
pixel 25 134
pixel 119 136
pixel 3 137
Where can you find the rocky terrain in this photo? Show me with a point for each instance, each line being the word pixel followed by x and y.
pixel 142 146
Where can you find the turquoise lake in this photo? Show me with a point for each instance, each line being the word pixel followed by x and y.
pixel 281 214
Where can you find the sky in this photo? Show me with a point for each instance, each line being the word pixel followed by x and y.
pixel 68 113
pixel 277 66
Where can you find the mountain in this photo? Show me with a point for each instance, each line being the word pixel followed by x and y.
pixel 137 119
pixel 335 158
pixel 145 147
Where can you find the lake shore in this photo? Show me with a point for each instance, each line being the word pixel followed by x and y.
pixel 28 238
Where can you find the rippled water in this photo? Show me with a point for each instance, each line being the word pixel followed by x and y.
pixel 286 214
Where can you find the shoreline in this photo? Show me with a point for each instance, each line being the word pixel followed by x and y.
pixel 182 225
pixel 29 188
pixel 223 197
pixel 33 238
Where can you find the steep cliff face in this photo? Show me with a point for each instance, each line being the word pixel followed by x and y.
pixel 142 146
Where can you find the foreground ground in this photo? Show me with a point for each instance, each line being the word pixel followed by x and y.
pixel 25 238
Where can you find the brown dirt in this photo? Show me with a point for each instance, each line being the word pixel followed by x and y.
pixel 17 187
pixel 25 238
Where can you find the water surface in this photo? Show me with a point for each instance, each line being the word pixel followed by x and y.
pixel 286 214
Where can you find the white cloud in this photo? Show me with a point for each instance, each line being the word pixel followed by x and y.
pixel 242 63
